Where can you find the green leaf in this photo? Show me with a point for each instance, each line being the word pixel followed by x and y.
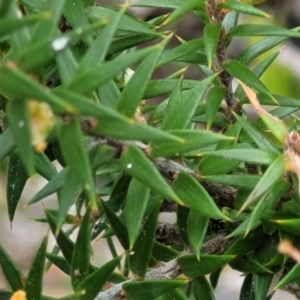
pixel 191 267
pixel 246 265
pixel 75 154
pixel 66 65
pixel 163 253
pixel 261 284
pixel 180 52
pixel 174 295
pixel 59 262
pixel 202 289
pixel 17 177
pixel 272 174
pixel 196 228
pixel 133 91
pixel 70 191
pixel 247 291
pixel 259 48
pixel 9 25
pixel 261 141
pixel 136 203
pixel 43 166
pixel 117 225
pixel 74 12
pixel 5 294
pixel 11 271
pixel 292 276
pixel 95 54
pixel 261 30
pixel 241 72
pixel 55 184
pixel 28 88
pixel 142 249
pixel 149 290
pixel 91 79
pixel 268 201
pixel 213 102
pixel 193 195
pixel 183 8
pixel 189 140
pixel 160 87
pixel 158 3
pixel 92 285
pixel 243 8
pixel 211 34
pixel 109 121
pixel 34 281
pixel 7 143
pixel 81 255
pixel 127 23
pixel 48 27
pixel 289 225
pixel 187 104
pixel 244 245
pixel 255 156
pixel 66 246
pixel 136 164
pixel 19 123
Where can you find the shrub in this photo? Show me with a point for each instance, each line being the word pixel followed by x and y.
pixel 69 93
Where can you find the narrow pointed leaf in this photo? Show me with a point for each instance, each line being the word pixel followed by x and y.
pixel 75 154
pixel 269 201
pixel 190 140
pixel 117 225
pixel 54 185
pixel 136 164
pixel 243 181
pixel 34 281
pixel 272 174
pixel 70 191
pixel 86 82
pixel 48 27
pixel 11 271
pixel 7 144
pixel 17 177
pixel 255 156
pixel 246 265
pixel 196 228
pixel 194 196
pixel 66 65
pixel 289 225
pixel 66 246
pixel 191 267
pixel 174 295
pixel 149 290
pixel 98 49
pixel 213 102
pixel 261 141
pixel 92 285
pixel 292 276
pixel 133 92
pixel 244 245
pixel 81 256
pixel 243 8
pixel 211 34
pixel 74 12
pixel 59 262
pixel 173 109
pixel 261 284
pixel 28 88
pixel 247 292
pixel 202 289
pixel 136 202
pixel 238 70
pixel 43 166
pixel 142 249
pixel 18 117
pixel 261 30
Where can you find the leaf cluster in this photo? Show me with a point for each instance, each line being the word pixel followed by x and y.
pixel 75 80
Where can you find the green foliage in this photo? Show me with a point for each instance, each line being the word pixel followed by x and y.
pixel 75 80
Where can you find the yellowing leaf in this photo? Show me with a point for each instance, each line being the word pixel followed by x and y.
pixel 276 126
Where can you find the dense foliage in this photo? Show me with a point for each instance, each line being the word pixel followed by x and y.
pixel 74 86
